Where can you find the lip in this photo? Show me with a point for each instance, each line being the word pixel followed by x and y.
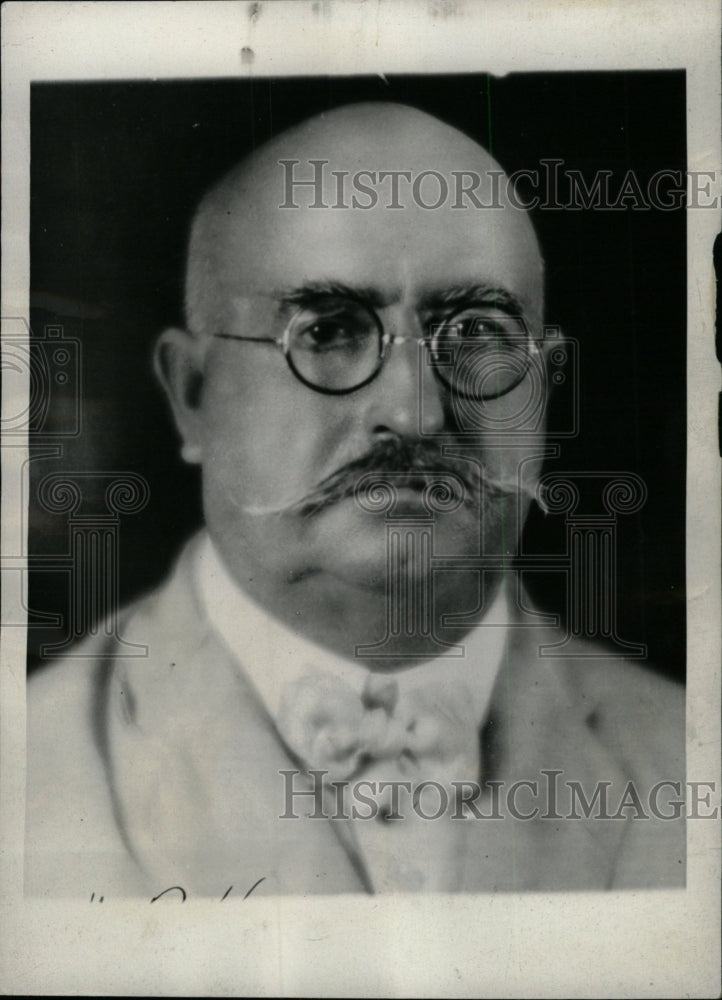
pixel 410 499
pixel 417 481
pixel 403 499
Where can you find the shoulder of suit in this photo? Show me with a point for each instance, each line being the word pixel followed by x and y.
pixel 71 831
pixel 633 708
pixel 64 698
pixel 623 685
pixel 63 692
pixel 67 681
pixel 69 677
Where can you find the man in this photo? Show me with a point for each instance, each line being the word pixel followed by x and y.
pixel 321 709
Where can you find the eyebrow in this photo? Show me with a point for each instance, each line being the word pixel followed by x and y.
pixel 458 295
pixel 310 292
pixel 474 293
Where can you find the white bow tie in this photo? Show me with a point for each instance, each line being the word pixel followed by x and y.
pixel 428 731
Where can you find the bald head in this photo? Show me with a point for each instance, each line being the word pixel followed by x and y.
pixel 365 168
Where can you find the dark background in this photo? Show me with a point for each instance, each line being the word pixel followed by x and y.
pixel 116 171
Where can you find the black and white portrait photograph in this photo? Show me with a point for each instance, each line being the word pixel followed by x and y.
pixel 361 498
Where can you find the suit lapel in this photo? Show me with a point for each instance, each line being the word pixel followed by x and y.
pixel 538 731
pixel 198 767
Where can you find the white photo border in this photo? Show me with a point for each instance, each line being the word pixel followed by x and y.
pixel 618 944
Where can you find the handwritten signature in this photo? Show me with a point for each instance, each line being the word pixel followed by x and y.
pixel 184 895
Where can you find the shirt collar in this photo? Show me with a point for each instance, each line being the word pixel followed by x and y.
pixel 273 655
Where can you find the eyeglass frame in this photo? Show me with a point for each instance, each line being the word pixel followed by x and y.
pixel 386 341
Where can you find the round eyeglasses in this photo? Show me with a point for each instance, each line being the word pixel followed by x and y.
pixel 339 346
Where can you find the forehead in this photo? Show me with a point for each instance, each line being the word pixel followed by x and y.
pixel 348 226
pixel 404 257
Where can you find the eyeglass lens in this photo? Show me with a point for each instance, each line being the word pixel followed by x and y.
pixel 338 346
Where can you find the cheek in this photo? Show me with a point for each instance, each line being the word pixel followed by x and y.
pixel 253 453
pixel 265 435
pixel 516 457
pixel 522 411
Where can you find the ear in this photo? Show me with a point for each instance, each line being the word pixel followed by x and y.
pixel 179 361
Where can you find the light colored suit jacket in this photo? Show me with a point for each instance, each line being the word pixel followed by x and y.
pixel 146 773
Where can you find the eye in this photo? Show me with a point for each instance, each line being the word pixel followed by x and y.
pixel 333 326
pixel 484 326
pixel 325 335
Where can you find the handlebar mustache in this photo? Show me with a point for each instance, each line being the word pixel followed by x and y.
pixel 420 461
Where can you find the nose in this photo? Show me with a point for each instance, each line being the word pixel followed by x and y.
pixel 408 398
